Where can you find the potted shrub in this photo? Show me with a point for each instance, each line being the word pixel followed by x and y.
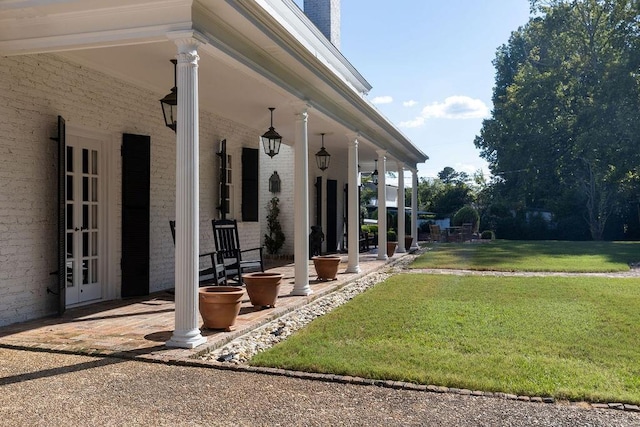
pixel 326 266
pixel 263 288
pixel 219 306
pixel 408 241
pixel 275 237
pixel 392 242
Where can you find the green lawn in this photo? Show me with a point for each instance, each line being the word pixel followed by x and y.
pixel 503 255
pixel 575 338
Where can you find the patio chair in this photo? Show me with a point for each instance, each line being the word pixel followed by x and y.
pixel 236 261
pixel 435 233
pixel 213 274
pixel 467 232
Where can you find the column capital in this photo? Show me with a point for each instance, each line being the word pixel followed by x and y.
pixel 353 136
pixel 300 106
pixel 382 153
pixel 187 38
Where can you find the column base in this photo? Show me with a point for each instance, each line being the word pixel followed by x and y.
pixel 189 339
pixel 301 291
pixel 353 269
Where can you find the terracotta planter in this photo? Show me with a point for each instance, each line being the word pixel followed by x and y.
pixel 326 266
pixel 408 240
pixel 263 288
pixel 391 248
pixel 219 306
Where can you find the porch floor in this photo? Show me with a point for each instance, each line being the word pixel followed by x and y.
pixel 139 327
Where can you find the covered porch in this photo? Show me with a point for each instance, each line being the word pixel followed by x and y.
pixel 139 327
pixel 103 65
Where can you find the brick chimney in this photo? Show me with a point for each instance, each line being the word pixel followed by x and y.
pixel 325 14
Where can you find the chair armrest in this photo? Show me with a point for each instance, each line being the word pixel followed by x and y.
pixel 208 254
pixel 251 250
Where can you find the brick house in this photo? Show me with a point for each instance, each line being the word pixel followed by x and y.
pixel 91 175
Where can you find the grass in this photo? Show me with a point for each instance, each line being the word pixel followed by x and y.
pixel 570 338
pixel 502 255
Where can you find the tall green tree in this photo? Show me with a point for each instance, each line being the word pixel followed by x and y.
pixel 566 122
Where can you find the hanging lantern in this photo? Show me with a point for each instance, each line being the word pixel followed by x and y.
pixel 170 103
pixel 323 157
pixel 271 139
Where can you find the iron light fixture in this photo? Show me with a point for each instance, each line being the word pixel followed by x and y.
pixel 271 139
pixel 323 157
pixel 374 175
pixel 274 182
pixel 170 102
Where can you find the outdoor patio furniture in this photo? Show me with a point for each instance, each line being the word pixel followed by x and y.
pixel 364 241
pixel 214 273
pixel 236 260
pixel 467 232
pixel 315 241
pixel 435 233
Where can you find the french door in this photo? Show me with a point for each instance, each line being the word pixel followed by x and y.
pixel 83 245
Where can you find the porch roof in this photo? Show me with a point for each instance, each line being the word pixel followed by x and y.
pixel 256 54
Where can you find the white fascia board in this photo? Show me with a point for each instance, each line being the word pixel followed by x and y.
pixel 289 15
pixel 58 25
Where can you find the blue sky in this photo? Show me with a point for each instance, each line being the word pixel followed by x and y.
pixel 429 63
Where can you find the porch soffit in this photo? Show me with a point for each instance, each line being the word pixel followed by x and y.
pixel 30 26
pixel 252 62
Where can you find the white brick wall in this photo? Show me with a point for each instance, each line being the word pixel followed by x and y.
pixel 34 90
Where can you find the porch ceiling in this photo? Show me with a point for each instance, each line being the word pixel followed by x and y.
pixel 250 62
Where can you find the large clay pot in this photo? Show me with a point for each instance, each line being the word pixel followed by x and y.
pixel 219 306
pixel 408 240
pixel 263 288
pixel 326 266
pixel 391 248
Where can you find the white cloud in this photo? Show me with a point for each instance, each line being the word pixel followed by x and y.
pixel 453 107
pixel 409 103
pixel 456 107
pixel 382 100
pixel 415 123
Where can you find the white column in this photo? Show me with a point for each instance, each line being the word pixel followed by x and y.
pixel 401 202
pixel 353 265
pixel 382 204
pixel 301 203
pixel 414 209
pixel 186 333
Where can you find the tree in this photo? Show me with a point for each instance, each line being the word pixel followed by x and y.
pixel 566 104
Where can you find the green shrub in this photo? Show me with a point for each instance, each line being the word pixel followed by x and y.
pixel 467 215
pixel 391 235
pixel 370 228
pixel 275 237
pixel 488 235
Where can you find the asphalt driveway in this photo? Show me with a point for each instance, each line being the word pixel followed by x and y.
pixel 52 389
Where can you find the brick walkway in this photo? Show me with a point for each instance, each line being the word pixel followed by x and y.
pixel 139 328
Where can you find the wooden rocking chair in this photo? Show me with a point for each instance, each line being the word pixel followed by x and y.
pixel 213 275
pixel 227 241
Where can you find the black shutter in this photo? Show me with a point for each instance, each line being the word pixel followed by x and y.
pixel 318 186
pixel 136 168
pixel 62 221
pixel 249 184
pixel 332 216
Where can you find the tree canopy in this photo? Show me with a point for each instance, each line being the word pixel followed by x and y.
pixel 565 128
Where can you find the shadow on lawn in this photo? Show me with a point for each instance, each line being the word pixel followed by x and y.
pixel 501 253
